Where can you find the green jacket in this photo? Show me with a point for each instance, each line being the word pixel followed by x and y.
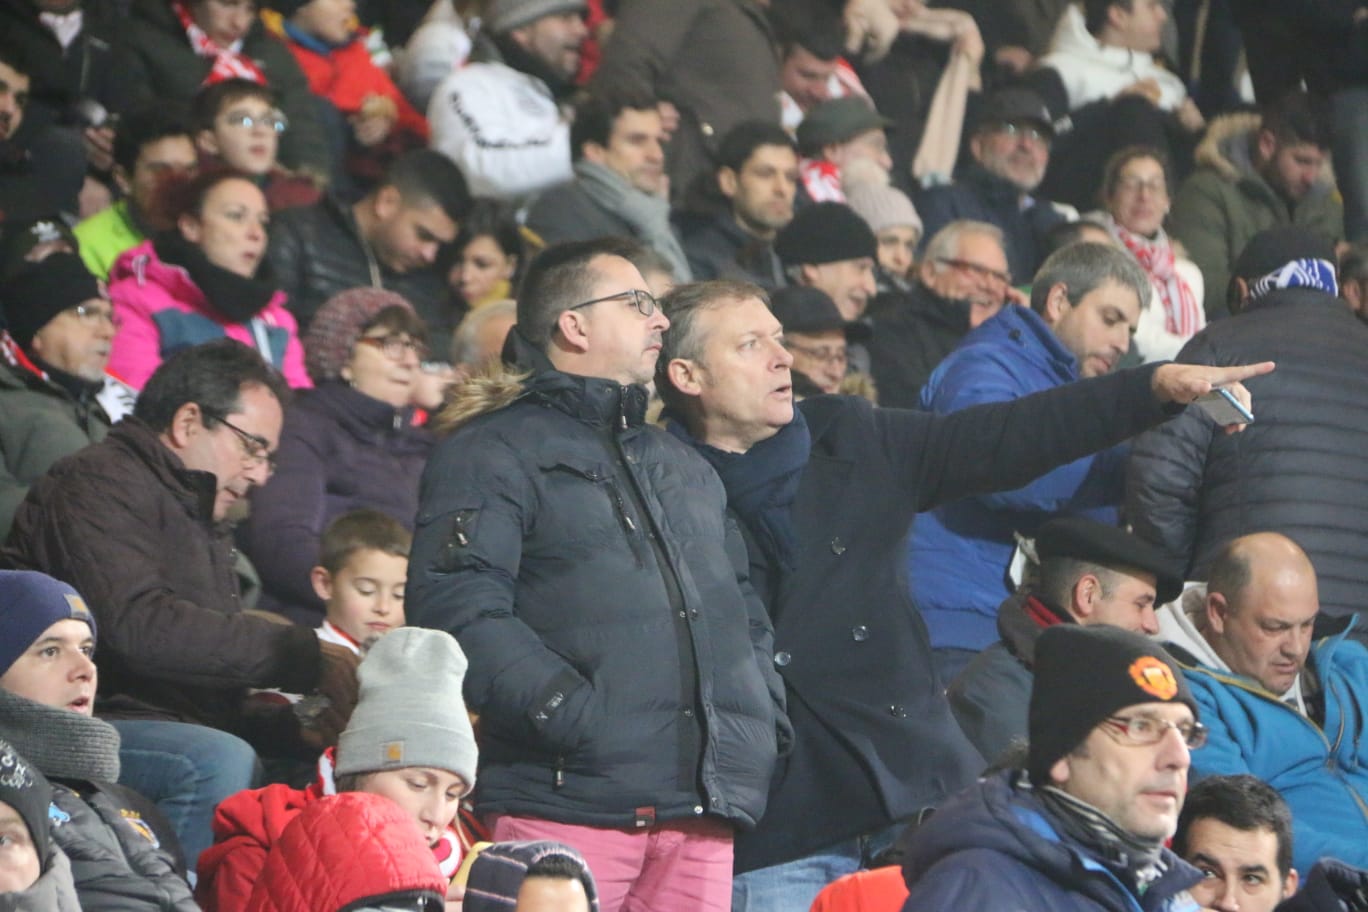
pixel 39 424
pixel 158 65
pixel 1225 202
pixel 104 236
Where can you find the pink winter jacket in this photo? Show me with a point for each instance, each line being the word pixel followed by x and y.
pixel 162 311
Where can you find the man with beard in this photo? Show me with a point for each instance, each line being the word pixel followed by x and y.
pixel 961 282
pixel 1085 303
pixel 500 117
pixel 757 178
pixel 1082 826
pixel 1011 150
pixel 1256 171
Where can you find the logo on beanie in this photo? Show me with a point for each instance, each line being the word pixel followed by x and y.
pixel 14 772
pixel 1154 677
pixel 79 611
pixel 393 751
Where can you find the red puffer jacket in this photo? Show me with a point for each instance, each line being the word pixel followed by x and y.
pixel 342 850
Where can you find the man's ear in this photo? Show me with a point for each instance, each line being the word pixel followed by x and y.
pixel 1237 294
pixel 976 146
pixel 1057 303
pixel 322 583
pixel 1267 145
pixel 1059 773
pixel 592 151
pixel 1217 612
pixel 1290 884
pixel 186 423
pixel 809 273
pixel 684 374
pixel 388 201
pixel 1084 590
pixel 122 179
pixel 574 331
pixel 727 182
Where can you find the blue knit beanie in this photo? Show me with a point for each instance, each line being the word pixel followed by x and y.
pixel 30 603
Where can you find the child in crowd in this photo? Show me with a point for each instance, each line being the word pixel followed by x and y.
pixel 529 875
pixel 409 739
pixel 238 124
pixel 378 123
pixel 35 875
pixel 360 578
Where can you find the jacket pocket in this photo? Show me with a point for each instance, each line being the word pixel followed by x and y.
pixel 597 503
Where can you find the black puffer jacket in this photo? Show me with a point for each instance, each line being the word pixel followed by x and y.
pixel 1299 469
pixel 913 332
pixel 621 666
pixel 317 251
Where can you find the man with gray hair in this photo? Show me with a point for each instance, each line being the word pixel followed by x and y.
pixel 583 559
pixel 1085 304
pixel 962 281
pixel 480 338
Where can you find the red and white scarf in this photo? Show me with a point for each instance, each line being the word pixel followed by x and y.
pixel 229 62
pixel 1155 255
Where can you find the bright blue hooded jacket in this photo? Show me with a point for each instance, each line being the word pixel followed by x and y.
pixel 993 847
pixel 1321 772
pixel 958 553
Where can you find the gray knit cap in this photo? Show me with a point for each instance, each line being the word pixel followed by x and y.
pixel 883 207
pixel 411 711
pixel 506 15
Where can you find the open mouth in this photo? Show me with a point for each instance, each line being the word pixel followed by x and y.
pixel 80 704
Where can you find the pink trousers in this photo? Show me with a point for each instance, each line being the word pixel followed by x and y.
pixel 679 866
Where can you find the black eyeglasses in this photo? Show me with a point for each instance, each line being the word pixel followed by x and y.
pixel 643 301
pixel 396 345
pixel 1142 730
pixel 974 269
pixel 256 450
pixel 88 314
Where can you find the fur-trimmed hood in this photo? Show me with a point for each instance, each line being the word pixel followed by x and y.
pixel 496 387
pixel 1226 147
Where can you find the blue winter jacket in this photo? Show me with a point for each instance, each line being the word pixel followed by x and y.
pixel 993 847
pixel 1323 773
pixel 958 553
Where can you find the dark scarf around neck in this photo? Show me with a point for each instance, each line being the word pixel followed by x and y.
pixel 237 298
pixel 762 483
pixel 1138 862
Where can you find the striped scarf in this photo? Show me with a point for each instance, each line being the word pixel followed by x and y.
pixel 229 62
pixel 1155 255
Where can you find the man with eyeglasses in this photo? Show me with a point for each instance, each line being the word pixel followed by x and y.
pixel 1010 146
pixel 620 664
pixel 141 523
pixel 1281 706
pixel 52 372
pixel 1082 825
pixel 816 335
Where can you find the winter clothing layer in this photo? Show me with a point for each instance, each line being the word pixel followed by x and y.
pixel 1092 71
pixel 163 311
pixel 620 665
pixel 958 553
pixel 1226 201
pixel 1298 469
pixel 718 248
pixel 131 528
pixel 40 422
pixel 344 852
pixel 105 236
pixel 54 891
pixel 857 668
pixel 913 332
pixel 1317 768
pixel 996 846
pixel 158 63
pixel 982 196
pixel 317 251
pixel 716 61
pixel 340 450
pixel 61 76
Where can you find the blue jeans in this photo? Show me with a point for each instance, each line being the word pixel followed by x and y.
pixel 186 770
pixel 793 885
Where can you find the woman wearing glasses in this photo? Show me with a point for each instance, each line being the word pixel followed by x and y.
pixel 350 443
pixel 203 280
pixel 1135 194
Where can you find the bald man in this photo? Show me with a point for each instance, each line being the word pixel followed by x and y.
pixel 1279 706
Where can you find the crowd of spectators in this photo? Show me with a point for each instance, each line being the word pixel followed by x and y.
pixel 763 455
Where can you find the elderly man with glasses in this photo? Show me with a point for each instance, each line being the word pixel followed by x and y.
pixel 1081 825
pixel 1085 303
pixel 619 661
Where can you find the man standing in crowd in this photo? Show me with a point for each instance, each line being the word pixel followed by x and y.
pixel 1089 573
pixel 1278 708
pixel 1083 825
pixel 1085 303
pixel 622 669
pixel 500 117
pixel 825 492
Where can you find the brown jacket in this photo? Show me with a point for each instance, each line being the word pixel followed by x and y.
pixel 131 528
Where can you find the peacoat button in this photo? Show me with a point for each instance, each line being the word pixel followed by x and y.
pixel 782 658
pixel 693 613
pixel 837 546
pixel 706 129
pixel 897 712
pixel 682 614
pixel 859 633
pixel 688 712
pixel 698 809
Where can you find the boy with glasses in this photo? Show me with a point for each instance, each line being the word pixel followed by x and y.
pixel 1082 826
pixel 238 124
